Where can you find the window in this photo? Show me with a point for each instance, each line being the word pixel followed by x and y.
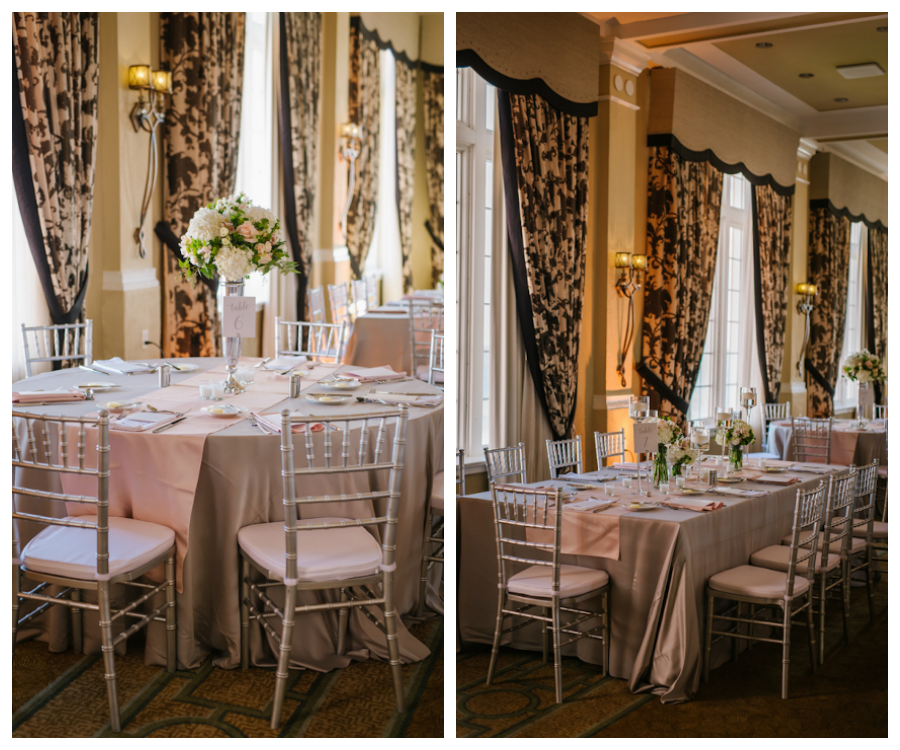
pixel 730 359
pixel 845 392
pixel 474 217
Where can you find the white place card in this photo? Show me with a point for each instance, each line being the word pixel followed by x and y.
pixel 866 396
pixel 239 316
pixel 645 438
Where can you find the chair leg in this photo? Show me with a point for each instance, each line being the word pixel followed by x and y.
pixel 390 626
pixel 605 634
pixel 245 612
pixel 545 635
pixel 786 651
pixel 557 656
pixel 845 598
pixel 109 660
pixel 707 649
pixel 423 576
pixel 16 578
pixel 343 620
pixel 284 654
pixel 870 574
pixel 77 631
pixel 736 642
pixel 821 582
pixel 171 621
pixel 811 628
pixel 751 626
pixel 498 632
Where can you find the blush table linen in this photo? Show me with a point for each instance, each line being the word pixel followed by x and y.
pixel 848 445
pixel 380 338
pixel 238 483
pixel 657 599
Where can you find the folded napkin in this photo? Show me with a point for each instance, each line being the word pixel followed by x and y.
pixel 368 374
pixel 776 463
pixel 141 421
pixel 425 399
pixel 632 465
pixel 31 397
pixel 118 366
pixel 699 507
pixel 274 425
pixel 739 493
pixel 282 363
pixel 781 479
pixel 590 478
pixel 591 503
pixel 814 468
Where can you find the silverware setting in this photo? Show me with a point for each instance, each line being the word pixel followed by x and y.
pixel 254 423
pixel 170 424
pixel 260 364
pixel 91 369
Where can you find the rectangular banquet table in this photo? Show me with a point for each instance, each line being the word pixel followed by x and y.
pixel 665 559
pixel 238 483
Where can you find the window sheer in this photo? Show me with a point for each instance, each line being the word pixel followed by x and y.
pixel 845 390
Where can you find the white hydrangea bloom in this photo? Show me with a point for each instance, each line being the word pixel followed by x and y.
pixel 258 213
pixel 233 263
pixel 206 225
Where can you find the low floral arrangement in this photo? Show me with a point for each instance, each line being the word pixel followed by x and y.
pixel 864 367
pixel 679 454
pixel 232 238
pixel 734 438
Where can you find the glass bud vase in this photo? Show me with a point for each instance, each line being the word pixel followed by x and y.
pixel 861 408
pixel 736 457
pixel 231 345
pixel 660 467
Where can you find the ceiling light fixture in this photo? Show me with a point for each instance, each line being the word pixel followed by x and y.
pixel 807 75
pixel 841 99
pixel 863 70
pixel 764 45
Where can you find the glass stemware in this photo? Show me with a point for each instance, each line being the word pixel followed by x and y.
pixel 748 401
pixel 639 410
pixel 699 436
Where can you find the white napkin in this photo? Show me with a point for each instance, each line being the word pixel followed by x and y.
pixel 282 363
pixel 425 399
pixel 141 421
pixel 591 504
pixel 813 468
pixel 368 374
pixel 739 493
pixel 118 366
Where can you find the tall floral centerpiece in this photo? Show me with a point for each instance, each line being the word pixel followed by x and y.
pixel 231 239
pixel 863 368
pixel 735 438
pixel 667 432
pixel 680 455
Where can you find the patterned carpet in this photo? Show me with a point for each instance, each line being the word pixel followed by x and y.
pixel 64 695
pixel 848 697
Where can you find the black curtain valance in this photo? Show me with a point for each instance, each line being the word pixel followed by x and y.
pixel 373 36
pixel 707 155
pixel 843 213
pixel 467 58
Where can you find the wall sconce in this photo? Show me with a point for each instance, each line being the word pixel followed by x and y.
pixel 147 116
pixel 805 306
pixel 349 150
pixel 630 270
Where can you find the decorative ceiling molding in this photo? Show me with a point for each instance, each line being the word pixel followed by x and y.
pixel 807 149
pixel 629 57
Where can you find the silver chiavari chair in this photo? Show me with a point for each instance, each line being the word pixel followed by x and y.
pixel 460 472
pixel 424 319
pixel 436 360
pixel 89 553
pixel 812 439
pixel 609 445
pixel 315 299
pixel 433 544
pixel 360 291
pixel 507 464
pixel 789 590
pixel 831 569
pixel 880 411
pixel 318 341
pixel 74 341
pixel 372 292
pixel 565 454
pixel 773 413
pixel 862 546
pixel 877 538
pixel 339 299
pixel 304 555
pixel 545 584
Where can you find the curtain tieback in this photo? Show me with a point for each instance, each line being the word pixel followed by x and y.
pixel 661 388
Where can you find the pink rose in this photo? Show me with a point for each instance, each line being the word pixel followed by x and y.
pixel 247 231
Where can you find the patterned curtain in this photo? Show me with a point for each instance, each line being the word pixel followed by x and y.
pixel 406 162
pixel 301 77
pixel 548 232
pixel 205 53
pixel 829 270
pixel 365 90
pixel 683 210
pixel 433 80
pixel 878 296
pixel 772 214
pixel 56 68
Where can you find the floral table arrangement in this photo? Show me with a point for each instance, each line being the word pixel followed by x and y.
pixel 680 455
pixel 864 368
pixel 667 433
pixel 735 438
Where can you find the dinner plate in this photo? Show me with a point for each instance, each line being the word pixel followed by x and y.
pixel 117 407
pixel 775 469
pixel 99 386
pixel 341 385
pixel 327 399
pixel 687 491
pixel 731 480
pixel 640 507
pixel 223 410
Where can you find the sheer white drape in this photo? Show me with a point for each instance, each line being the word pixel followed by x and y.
pixel 515 411
pixel 28 303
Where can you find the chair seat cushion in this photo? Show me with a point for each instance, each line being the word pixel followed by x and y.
pixel 71 552
pixel 778 557
pixel 748 580
pixel 537 580
pixel 322 554
pixel 879 530
pixel 437 493
pixel 857 545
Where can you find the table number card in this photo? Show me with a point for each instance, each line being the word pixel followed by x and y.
pixel 866 397
pixel 645 438
pixel 239 316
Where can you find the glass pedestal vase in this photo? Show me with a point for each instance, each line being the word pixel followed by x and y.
pixel 862 399
pixel 231 345
pixel 660 467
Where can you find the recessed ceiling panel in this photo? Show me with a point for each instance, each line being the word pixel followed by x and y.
pixel 820 51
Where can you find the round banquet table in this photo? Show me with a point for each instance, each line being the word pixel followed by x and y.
pixel 848 445
pixel 234 480
pixel 381 337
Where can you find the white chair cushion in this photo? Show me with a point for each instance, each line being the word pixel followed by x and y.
pixel 573 581
pixel 437 493
pixel 857 545
pixel 879 530
pixel 778 557
pixel 72 552
pixel 322 554
pixel 747 580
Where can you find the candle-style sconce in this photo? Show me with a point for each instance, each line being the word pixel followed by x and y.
pixel 350 148
pixel 805 305
pixel 630 273
pixel 147 115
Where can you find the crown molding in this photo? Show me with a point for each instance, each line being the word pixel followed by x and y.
pixel 623 55
pixel 807 149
